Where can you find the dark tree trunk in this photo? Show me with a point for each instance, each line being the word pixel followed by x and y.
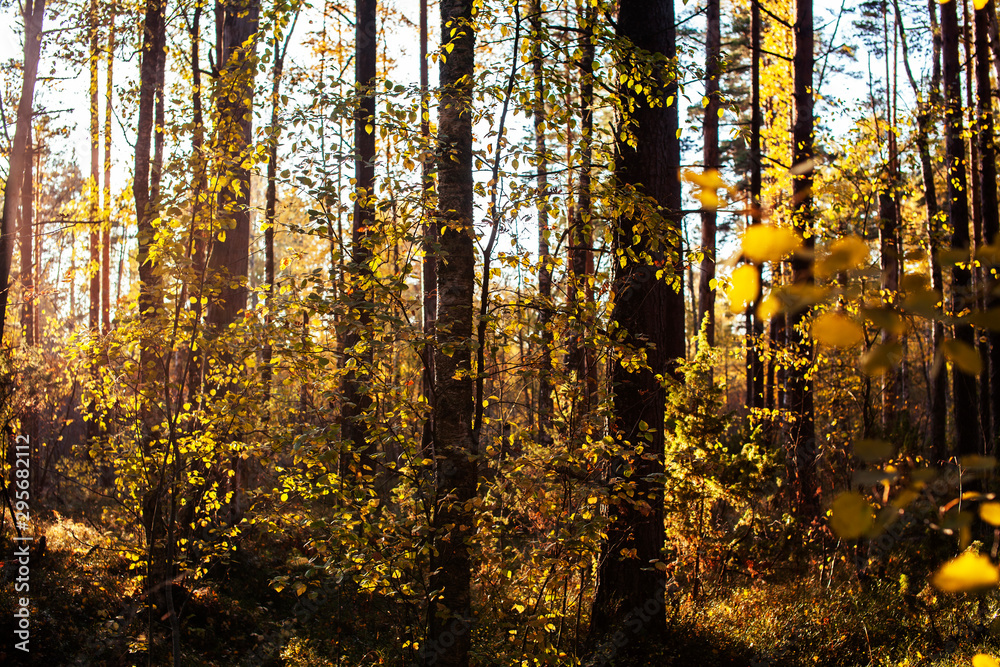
pixel 228 260
pixel 938 391
pixel 429 278
pixel 965 397
pixel 581 255
pixel 449 613
pixel 648 314
pixel 800 395
pixel 27 241
pixel 271 200
pixel 94 186
pixel 755 327
pixel 889 238
pixel 988 196
pixel 357 398
pixel 197 244
pixel 545 404
pixel 106 224
pixel 713 70
pixel 153 44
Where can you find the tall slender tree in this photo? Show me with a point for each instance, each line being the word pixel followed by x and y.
pixel 455 474
pixel 709 216
pixel 153 45
pixel 964 385
pixel 357 398
pixel 988 196
pixel 32 12
pixel 647 317
pixel 800 394
pixel 545 404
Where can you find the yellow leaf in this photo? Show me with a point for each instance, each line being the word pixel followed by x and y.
pixel 979 4
pixel 745 285
pixel 873 450
pixel 708 179
pixel 852 515
pixel 769 307
pixel 766 243
pixel 990 513
pixel 977 462
pixel 966 572
pixel 836 330
pixel 981 659
pixel 963 355
pixel 709 200
pixel 881 359
pixel 843 254
pixel 300 588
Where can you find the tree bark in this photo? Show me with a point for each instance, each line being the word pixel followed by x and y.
pixel 449 612
pixel 94 185
pixel 709 216
pixel 357 398
pixel 889 239
pixel 150 300
pixel 648 315
pixel 581 256
pixel 755 327
pixel 964 386
pixel 938 390
pixel 106 222
pixel 988 197
pixel 429 268
pixel 228 260
pixel 27 241
pixel 545 403
pixel 800 395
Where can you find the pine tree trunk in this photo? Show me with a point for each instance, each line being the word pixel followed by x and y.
pixel 357 398
pixel 449 612
pixel 648 313
pixel 964 386
pixel 991 216
pixel 889 241
pixel 153 44
pixel 800 395
pixel 581 256
pixel 27 240
pixel 755 327
pixel 713 70
pixel 429 276
pixel 106 223
pixel 94 185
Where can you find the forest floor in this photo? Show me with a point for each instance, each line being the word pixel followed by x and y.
pixel 85 612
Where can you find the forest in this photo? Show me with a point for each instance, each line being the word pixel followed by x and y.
pixel 465 332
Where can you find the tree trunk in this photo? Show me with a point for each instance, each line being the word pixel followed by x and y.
pixel 545 404
pixel 889 239
pixel 106 224
pixel 648 314
pixel 581 256
pixel 357 397
pixel 94 185
pixel 429 276
pixel 713 71
pixel 27 240
pixel 755 328
pixel 938 390
pixel 153 44
pixel 228 261
pixel 449 612
pixel 988 196
pixel 800 395
pixel 965 398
